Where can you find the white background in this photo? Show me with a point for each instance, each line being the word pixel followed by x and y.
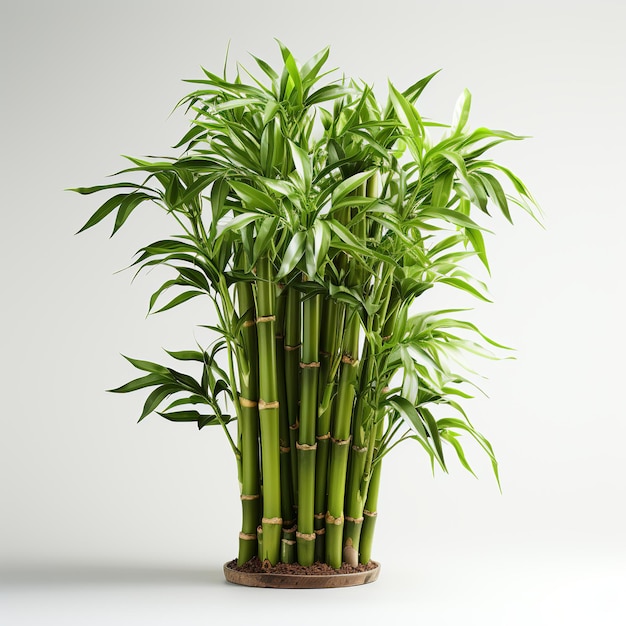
pixel 105 521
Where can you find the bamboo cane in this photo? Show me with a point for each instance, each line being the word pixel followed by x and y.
pixel 269 412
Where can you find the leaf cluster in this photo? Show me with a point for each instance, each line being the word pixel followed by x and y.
pixel 350 199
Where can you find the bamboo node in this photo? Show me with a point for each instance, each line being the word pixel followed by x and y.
pixel 312 364
pixel 306 536
pixel 288 542
pixel 279 336
pixel 265 406
pixel 354 520
pixel 324 353
pixel 359 448
pixel 319 516
pixel 331 519
pixel 341 442
pixel 265 318
pixel 295 425
pixel 291 529
pixel 386 338
pixel 320 531
pixel 247 536
pixel 249 404
pixel 249 323
pixel 249 496
pixel 272 521
pixel 305 446
pixel 292 348
pixel 285 449
pixel 370 513
pixel 346 358
pixel 323 437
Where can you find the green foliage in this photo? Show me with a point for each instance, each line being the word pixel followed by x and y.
pixel 349 200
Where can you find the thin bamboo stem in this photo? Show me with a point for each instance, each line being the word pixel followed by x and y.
pixel 307 444
pixel 370 512
pixel 341 443
pixel 269 412
pixel 249 426
pixel 332 321
pixel 292 348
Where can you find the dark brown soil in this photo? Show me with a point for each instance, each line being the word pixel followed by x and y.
pixel 255 566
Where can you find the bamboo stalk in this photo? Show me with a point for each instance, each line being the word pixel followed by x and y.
pixel 307 444
pixel 249 426
pixel 340 445
pixel 329 343
pixel 288 545
pixel 292 350
pixel 287 501
pixel 370 512
pixel 386 321
pixel 269 412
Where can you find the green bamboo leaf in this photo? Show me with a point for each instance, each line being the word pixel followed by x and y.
pixel 350 184
pixel 461 112
pixel 281 187
pixel 127 206
pixel 148 366
pixel 451 438
pixel 452 422
pixel 253 198
pixel 317 245
pixel 266 68
pixel 108 207
pixel 271 109
pixel 196 278
pixel 302 163
pixel 293 71
pixel 235 104
pixel 496 193
pixel 442 189
pixel 239 222
pixel 433 431
pixel 166 285
pixel 459 283
pixel 326 94
pixel 449 215
pixel 193 191
pixel 180 416
pixel 84 191
pixel 192 399
pixel 183 297
pixel 406 113
pixel 140 383
pixel 408 412
pixel 219 192
pixel 293 254
pixel 156 397
pixel 413 92
pixel 264 237
pixel 475 237
pixel 186 382
pixel 213 420
pixel 187 355
pixel 450 323
pixel 190 135
pixel 311 69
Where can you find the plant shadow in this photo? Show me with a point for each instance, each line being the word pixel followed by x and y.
pixel 93 574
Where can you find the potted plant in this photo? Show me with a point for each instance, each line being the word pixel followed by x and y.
pixel 314 218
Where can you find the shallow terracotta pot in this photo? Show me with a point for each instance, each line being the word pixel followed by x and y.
pixel 299 581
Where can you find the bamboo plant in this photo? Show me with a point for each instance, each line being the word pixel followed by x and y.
pixel 314 217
